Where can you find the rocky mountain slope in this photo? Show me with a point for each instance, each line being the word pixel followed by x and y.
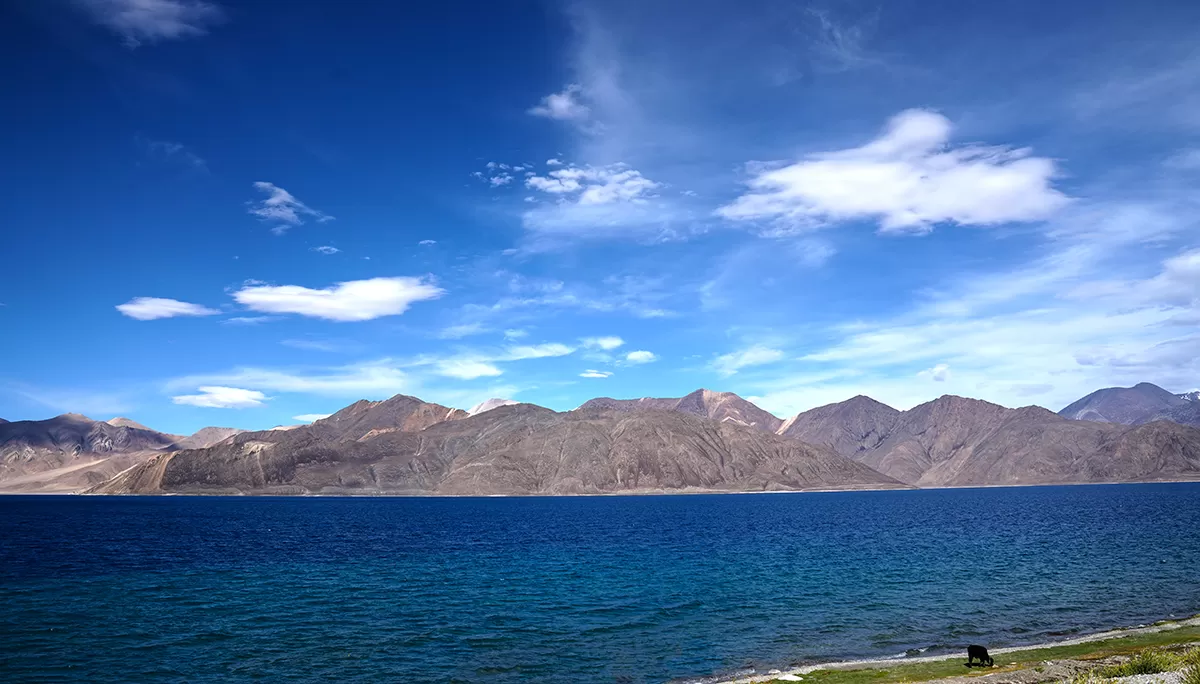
pixel 69 440
pixel 955 441
pixel 849 427
pixel 719 406
pixel 206 437
pixel 1142 403
pixel 514 450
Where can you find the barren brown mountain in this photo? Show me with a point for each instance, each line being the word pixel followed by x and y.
pixel 65 449
pixel 720 406
pixel 955 441
pixel 849 427
pixel 1142 403
pixel 520 449
pixel 206 437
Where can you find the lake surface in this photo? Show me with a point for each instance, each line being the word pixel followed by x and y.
pixel 604 589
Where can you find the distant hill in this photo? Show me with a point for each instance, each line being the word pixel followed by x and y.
pixel 517 449
pixel 849 427
pixel 1142 403
pixel 719 406
pixel 956 441
pixel 70 441
pixel 206 437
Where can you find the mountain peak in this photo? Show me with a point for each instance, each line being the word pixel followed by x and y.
pixel 75 417
pixel 121 421
pixel 488 405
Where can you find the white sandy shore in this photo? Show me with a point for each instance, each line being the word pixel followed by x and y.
pixel 892 662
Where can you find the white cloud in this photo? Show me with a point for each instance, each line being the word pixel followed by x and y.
pixel 502 179
pixel 536 351
pixel 591 185
pixel 756 355
pixel 326 249
pixel 311 417
pixel 466 369
pixel 456 332
pixel 382 377
pixel 355 300
pixel 166 151
pixel 553 162
pixel 151 308
pixel 562 106
pixel 640 356
pixel 212 396
pixel 908 179
pixel 427 243
pixel 283 209
pixel 515 334
pixel 939 373
pixel 606 343
pixel 148 21
pixel 247 320
pixel 595 374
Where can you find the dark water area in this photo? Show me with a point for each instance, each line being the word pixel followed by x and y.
pixel 605 589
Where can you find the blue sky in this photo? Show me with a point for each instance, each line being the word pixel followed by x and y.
pixel 235 214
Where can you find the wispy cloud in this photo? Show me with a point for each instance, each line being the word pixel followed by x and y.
pixel 173 152
pixel 311 417
pixel 211 396
pixel 466 369
pixel 283 209
pixel 906 179
pixel 150 21
pixel 326 249
pixel 152 308
pixel 355 300
pixel 756 355
pixel 456 332
pixel 595 374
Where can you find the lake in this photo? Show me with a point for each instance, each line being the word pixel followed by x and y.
pixel 588 589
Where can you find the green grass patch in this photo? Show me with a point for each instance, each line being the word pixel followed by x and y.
pixel 1132 645
pixel 1150 661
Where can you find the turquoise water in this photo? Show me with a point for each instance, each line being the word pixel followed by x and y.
pixel 606 589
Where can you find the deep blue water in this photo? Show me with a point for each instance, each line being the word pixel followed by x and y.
pixel 606 589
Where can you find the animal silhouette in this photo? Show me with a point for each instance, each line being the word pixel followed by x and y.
pixel 976 652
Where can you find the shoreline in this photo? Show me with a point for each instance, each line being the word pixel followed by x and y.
pixel 879 663
pixel 653 492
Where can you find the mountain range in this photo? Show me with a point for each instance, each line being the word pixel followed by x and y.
pixel 704 441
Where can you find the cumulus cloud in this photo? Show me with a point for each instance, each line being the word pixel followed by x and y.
pixel 562 106
pixel 311 417
pixel 151 308
pixel 756 355
pixel 326 249
pixel 149 21
pixel 355 300
pixel 595 374
pixel 427 243
pixel 939 373
pixel 606 343
pixel 212 396
pixel 283 209
pixel 595 185
pixel 640 356
pixel 466 369
pixel 908 179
